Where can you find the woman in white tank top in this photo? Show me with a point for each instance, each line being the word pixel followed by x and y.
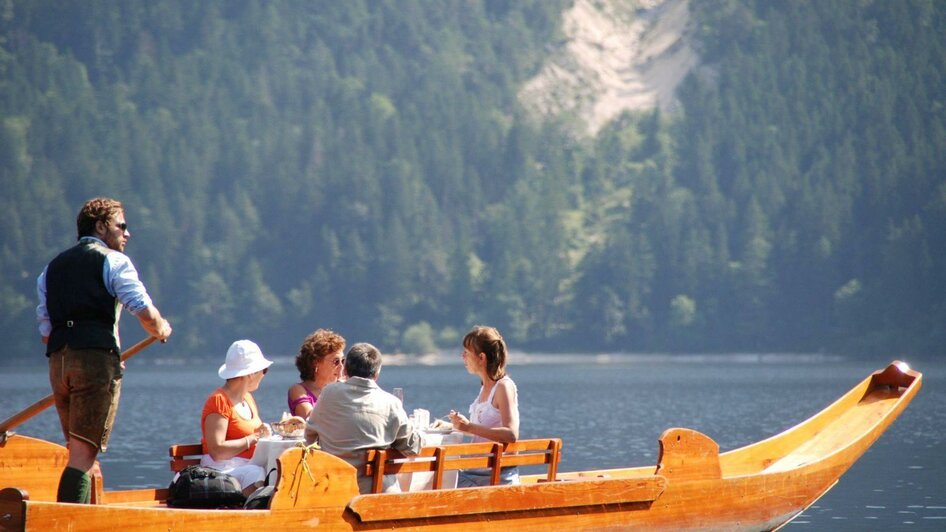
pixel 494 415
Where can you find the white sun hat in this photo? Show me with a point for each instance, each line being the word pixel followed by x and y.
pixel 243 358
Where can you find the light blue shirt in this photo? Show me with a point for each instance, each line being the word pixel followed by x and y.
pixel 121 281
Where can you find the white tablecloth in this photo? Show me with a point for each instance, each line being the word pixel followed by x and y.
pixel 425 481
pixel 269 449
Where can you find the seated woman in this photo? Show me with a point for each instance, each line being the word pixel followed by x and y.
pixel 494 415
pixel 320 361
pixel 230 422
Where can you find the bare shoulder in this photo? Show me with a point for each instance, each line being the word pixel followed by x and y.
pixel 506 388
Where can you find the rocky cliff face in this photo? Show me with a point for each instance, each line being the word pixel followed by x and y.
pixel 617 55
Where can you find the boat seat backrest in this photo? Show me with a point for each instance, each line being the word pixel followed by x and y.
pixel 380 462
pixel 488 455
pixel 686 454
pixel 184 454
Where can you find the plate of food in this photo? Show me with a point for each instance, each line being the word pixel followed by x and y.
pixel 290 427
pixel 440 426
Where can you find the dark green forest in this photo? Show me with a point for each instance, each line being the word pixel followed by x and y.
pixel 365 166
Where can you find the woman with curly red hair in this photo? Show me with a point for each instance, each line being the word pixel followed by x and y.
pixel 320 361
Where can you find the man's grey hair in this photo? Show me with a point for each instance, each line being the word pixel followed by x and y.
pixel 363 360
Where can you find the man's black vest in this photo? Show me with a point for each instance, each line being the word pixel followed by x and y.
pixel 83 314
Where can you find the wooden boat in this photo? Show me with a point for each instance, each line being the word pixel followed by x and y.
pixel 758 487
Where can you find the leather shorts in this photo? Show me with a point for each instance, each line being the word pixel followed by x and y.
pixel 86 387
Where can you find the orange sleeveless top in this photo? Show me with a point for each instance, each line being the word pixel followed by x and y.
pixel 237 426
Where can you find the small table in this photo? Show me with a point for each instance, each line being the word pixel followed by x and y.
pixel 425 481
pixel 268 450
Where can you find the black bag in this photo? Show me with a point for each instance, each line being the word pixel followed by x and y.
pixel 202 487
pixel 260 499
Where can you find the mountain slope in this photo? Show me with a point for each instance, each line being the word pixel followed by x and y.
pixel 616 56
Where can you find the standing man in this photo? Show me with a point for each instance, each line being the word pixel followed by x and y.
pixel 80 297
pixel 353 416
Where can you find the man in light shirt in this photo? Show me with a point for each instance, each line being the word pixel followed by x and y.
pixel 81 293
pixel 356 415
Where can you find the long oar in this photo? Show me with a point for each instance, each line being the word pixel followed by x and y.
pixel 16 419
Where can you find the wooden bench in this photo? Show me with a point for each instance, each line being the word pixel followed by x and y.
pixel 185 454
pixel 487 455
pixel 436 460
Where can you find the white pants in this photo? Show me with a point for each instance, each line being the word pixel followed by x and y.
pixel 246 473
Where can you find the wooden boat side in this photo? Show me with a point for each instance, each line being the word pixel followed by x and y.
pixel 506 499
pixel 847 427
pixel 651 501
pixel 764 485
pixel 32 465
pixel 800 464
pixel 854 421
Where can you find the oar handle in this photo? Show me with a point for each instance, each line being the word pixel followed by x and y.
pixel 44 403
pixel 135 349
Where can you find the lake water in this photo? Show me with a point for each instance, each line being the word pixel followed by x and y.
pixel 608 409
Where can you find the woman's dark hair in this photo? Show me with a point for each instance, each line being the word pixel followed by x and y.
pixel 315 347
pixel 363 360
pixel 488 341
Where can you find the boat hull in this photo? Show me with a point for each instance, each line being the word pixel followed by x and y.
pixel 758 487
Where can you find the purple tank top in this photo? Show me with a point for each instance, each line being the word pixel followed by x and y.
pixel 309 398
